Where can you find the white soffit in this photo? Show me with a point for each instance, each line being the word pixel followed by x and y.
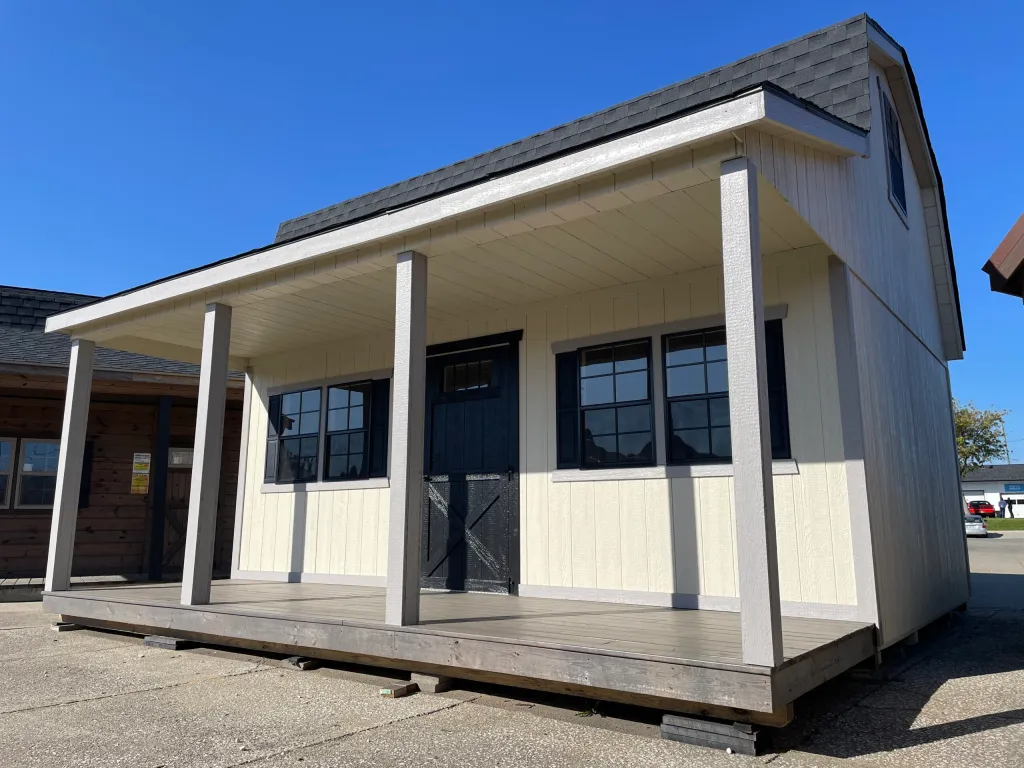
pixel 758 108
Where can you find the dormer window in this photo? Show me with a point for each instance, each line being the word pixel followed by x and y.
pixel 894 154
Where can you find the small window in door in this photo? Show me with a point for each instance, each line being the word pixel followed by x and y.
pixel 462 377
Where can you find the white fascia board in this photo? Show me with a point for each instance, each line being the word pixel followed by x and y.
pixel 814 128
pixel 743 111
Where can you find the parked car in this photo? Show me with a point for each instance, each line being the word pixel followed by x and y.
pixel 983 508
pixel 974 525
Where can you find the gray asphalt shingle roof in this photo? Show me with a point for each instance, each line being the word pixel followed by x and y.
pixel 23 313
pixel 828 68
pixel 996 473
pixel 28 308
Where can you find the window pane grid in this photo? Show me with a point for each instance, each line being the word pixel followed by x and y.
pixel 696 390
pixel 615 434
pixel 37 473
pixel 347 431
pixel 460 377
pixel 293 437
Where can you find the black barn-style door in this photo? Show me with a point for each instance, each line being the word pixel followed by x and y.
pixel 471 488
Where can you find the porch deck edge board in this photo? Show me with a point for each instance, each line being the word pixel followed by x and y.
pixel 665 683
pixel 221 609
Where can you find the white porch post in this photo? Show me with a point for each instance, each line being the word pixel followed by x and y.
pixel 760 615
pixel 69 468
pixel 402 603
pixel 197 571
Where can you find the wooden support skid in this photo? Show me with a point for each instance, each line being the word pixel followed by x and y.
pixel 432 683
pixel 740 738
pixel 65 626
pixel 166 643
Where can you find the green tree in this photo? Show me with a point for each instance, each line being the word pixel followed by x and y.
pixel 979 435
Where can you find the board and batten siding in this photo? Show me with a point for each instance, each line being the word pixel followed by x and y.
pixel 901 279
pixel 660 536
pixel 911 472
pixel 312 532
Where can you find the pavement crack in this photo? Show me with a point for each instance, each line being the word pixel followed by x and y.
pixel 358 732
pixel 101 697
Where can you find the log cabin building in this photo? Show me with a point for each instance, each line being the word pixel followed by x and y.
pixel 140 405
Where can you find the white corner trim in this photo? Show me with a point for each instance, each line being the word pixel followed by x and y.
pixel 774 312
pixel 781 467
pixel 243 464
pixel 332 485
pixel 292 577
pixel 684 601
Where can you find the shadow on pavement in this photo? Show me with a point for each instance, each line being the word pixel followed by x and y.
pixel 965 678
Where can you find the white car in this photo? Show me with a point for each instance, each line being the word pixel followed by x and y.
pixel 974 525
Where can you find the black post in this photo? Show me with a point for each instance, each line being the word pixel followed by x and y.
pixel 158 489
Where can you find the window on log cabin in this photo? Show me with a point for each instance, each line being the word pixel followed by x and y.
pixel 37 473
pixel 6 470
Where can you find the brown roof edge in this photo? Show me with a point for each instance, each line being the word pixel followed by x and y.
pixel 1005 267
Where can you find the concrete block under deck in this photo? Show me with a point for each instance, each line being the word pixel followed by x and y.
pixel 670 659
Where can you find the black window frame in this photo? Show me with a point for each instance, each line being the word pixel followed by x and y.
pixel 377 425
pixel 276 415
pixel 582 410
pixel 363 431
pixel 705 397
pixel 778 397
pixel 893 153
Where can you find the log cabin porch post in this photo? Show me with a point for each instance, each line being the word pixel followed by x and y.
pixel 760 611
pixel 402 600
pixel 197 570
pixel 69 467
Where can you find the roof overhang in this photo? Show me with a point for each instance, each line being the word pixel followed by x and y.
pixel 765 107
pixel 1005 267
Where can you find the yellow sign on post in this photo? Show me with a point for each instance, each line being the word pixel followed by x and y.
pixel 141 464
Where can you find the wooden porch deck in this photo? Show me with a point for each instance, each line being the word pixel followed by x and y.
pixel 681 660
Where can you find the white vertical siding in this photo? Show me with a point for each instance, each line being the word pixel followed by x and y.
pixel 846 201
pixel 325 532
pixel 660 535
pixel 901 278
pixel 911 472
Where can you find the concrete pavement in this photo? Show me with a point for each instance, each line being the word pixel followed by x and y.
pixel 997 570
pixel 87 698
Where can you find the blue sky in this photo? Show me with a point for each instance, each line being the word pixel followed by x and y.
pixel 141 139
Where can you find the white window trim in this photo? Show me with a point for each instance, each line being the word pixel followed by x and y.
pixel 361 484
pixel 774 312
pixel 21 463
pixel 5 502
pixel 320 484
pixel 662 472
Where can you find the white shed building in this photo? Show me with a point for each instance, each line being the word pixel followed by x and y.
pixel 624 409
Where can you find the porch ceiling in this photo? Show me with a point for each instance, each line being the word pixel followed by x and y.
pixel 603 241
